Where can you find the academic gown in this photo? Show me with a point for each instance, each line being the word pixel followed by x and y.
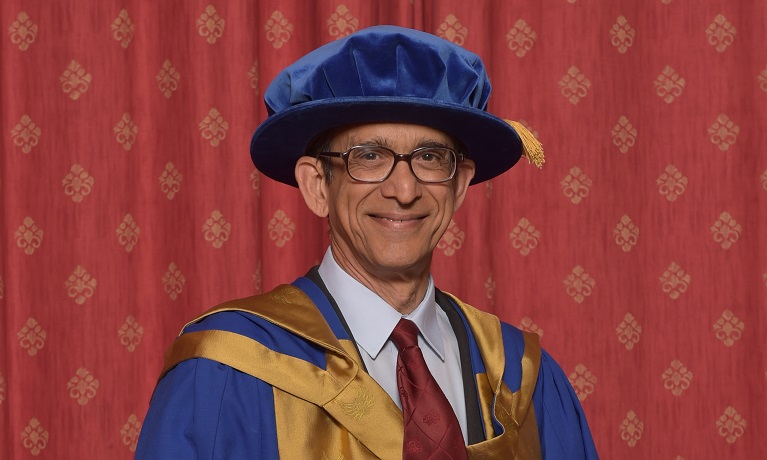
pixel 278 376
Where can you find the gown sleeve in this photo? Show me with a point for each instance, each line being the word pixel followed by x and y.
pixel 562 425
pixel 206 410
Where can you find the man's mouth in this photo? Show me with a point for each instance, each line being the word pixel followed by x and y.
pixel 397 218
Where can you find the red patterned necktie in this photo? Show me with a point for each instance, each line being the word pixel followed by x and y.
pixel 431 427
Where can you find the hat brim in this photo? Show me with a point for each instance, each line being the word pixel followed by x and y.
pixel 282 138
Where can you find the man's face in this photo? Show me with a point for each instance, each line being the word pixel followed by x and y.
pixel 391 228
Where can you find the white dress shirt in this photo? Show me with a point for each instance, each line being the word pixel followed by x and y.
pixel 372 320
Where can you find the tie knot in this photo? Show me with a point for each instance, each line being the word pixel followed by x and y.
pixel 405 334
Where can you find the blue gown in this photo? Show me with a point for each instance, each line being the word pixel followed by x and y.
pixel 276 376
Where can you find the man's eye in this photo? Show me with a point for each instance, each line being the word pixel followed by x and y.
pixel 431 156
pixel 368 155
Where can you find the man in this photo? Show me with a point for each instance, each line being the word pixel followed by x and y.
pixel 382 132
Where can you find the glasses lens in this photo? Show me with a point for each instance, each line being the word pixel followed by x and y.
pixel 433 164
pixel 369 163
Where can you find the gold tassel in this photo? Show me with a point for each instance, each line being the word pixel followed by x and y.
pixel 531 148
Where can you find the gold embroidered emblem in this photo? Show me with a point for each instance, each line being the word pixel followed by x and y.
pixel 32 337
pixel 452 239
pixel 280 228
pixel 359 406
pixel 452 30
pixel 342 23
pixel 173 281
pixel 726 230
pixel 731 425
pixel 676 378
pixel 170 181
pixel 669 85
pixel 130 432
pixel 629 331
pixel 128 233
pixel 624 134
pixel 285 295
pixel 490 289
pixel 167 79
pixel 29 236
pixel 626 234
pixel 728 328
pixel 527 324
pixel 671 183
pixel 82 386
pixel 34 438
pixel 130 333
pixel 80 285
pixel 576 185
pixel 23 31
pixel 122 29
pixel 724 132
pixel 574 86
pixel 253 75
pixel 213 127
pixel 579 284
pixel 622 35
pixel 78 183
pixel 126 131
pixel 583 381
pixel 524 236
pixel 75 81
pixel 674 281
pixel 278 29
pixel 631 428
pixel 26 134
pixel 521 38
pixel 210 25
pixel 720 33
pixel 216 229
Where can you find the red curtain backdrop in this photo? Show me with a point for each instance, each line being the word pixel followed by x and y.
pixel 128 203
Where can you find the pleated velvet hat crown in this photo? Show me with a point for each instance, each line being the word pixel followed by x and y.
pixel 383 74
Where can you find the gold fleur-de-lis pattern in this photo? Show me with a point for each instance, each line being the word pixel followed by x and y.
pixel 130 204
pixel 342 22
pixel 26 134
pixel 82 386
pixel 123 29
pixel 452 240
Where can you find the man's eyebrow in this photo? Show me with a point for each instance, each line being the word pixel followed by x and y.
pixel 384 142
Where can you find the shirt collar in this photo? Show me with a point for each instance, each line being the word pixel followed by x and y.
pixel 370 318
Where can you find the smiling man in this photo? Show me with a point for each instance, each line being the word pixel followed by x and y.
pixel 382 132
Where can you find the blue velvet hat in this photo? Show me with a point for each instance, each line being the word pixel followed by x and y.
pixel 384 74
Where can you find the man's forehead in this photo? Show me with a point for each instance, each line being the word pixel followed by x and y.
pixel 391 135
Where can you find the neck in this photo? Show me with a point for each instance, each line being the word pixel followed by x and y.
pixel 402 288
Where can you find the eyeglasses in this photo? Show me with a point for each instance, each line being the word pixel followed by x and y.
pixel 375 163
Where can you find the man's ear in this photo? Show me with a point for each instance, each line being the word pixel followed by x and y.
pixel 463 177
pixel 311 182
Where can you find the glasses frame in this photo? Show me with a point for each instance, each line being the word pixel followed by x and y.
pixel 406 157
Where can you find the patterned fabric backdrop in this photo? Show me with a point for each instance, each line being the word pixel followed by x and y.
pixel 128 203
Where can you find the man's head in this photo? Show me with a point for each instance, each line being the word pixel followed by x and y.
pixel 383 131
